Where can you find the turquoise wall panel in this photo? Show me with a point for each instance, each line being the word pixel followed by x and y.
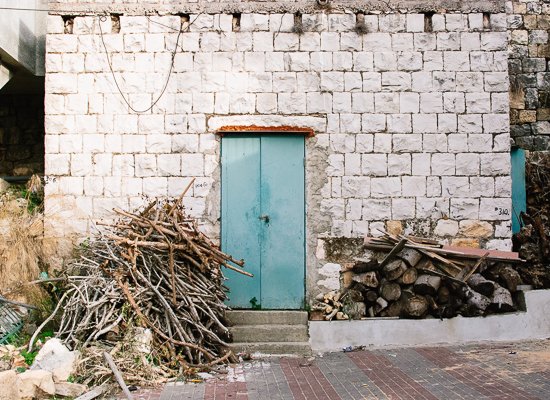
pixel 519 195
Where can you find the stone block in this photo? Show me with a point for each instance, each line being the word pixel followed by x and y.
pixel 342 60
pixel 403 209
pixel 425 41
pixel 469 41
pixel 373 123
pixel 398 81
pixel 448 41
pixel 464 208
pixel 386 187
pixel 399 164
pixel 376 209
pixel 413 186
pixel 330 41
pixel 332 81
pixel 319 102
pixel 399 123
pixel 415 22
pixel 385 61
pixel 443 164
pixel 372 81
pixel 353 82
pixel 402 42
pixel 386 102
pixel 446 228
pixel 287 42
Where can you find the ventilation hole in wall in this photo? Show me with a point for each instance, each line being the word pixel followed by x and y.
pixel 428 22
pixel 68 22
pixel 298 26
pixel 360 26
pixel 236 22
pixel 115 23
pixel 486 20
pixel 184 21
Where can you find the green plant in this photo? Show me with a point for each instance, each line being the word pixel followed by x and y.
pixel 255 304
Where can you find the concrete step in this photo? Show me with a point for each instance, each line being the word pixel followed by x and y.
pixel 269 333
pixel 295 348
pixel 267 317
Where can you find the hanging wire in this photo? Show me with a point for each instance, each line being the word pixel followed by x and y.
pixel 103 18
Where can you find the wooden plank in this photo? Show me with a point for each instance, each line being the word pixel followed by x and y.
pixel 449 251
pixel 467 272
pixel 118 375
pixel 92 394
pixel 396 249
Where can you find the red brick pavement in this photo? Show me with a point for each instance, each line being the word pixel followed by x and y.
pixel 481 380
pixel 390 379
pixel 306 381
pixel 219 390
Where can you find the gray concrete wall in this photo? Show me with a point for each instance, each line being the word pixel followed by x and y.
pixel 23 34
pixel 534 323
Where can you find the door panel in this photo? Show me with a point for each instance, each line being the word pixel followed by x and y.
pixel 282 194
pixel 241 228
pixel 263 219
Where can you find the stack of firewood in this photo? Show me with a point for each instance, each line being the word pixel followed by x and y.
pixel 414 278
pixel 153 269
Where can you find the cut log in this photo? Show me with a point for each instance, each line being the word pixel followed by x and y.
pixel 502 300
pixel 477 300
pixel 505 275
pixel 427 284
pixel 355 310
pixel 443 295
pixel 432 304
pixel 481 285
pixel 355 295
pixel 371 296
pixel 393 310
pixel 415 306
pixel 410 256
pixel 366 266
pixel 390 291
pixel 368 279
pixel 394 269
pixel 409 277
pixel 381 304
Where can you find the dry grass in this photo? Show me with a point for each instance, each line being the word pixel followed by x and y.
pixel 21 250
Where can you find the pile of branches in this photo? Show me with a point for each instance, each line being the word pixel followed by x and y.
pixel 533 240
pixel 156 270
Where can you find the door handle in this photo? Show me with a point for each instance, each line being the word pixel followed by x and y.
pixel 264 218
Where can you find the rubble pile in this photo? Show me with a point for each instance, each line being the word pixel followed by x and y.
pixel 533 240
pixel 50 375
pixel 416 278
pixel 149 292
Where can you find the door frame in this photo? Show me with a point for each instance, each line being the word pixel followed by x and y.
pixel 273 132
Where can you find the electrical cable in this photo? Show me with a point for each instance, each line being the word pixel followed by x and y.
pixel 103 19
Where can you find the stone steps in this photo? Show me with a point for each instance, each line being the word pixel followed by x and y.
pixel 269 332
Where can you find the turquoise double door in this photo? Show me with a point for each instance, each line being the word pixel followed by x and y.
pixel 263 219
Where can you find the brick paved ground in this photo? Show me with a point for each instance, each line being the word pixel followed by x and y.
pixel 485 371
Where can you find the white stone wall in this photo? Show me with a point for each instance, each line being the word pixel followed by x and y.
pixel 411 126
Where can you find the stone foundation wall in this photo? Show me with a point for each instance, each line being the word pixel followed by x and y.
pixel 21 134
pixel 529 24
pixel 410 113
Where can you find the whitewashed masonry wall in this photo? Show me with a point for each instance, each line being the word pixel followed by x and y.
pixel 411 126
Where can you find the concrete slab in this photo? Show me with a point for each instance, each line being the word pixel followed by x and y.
pixel 534 323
